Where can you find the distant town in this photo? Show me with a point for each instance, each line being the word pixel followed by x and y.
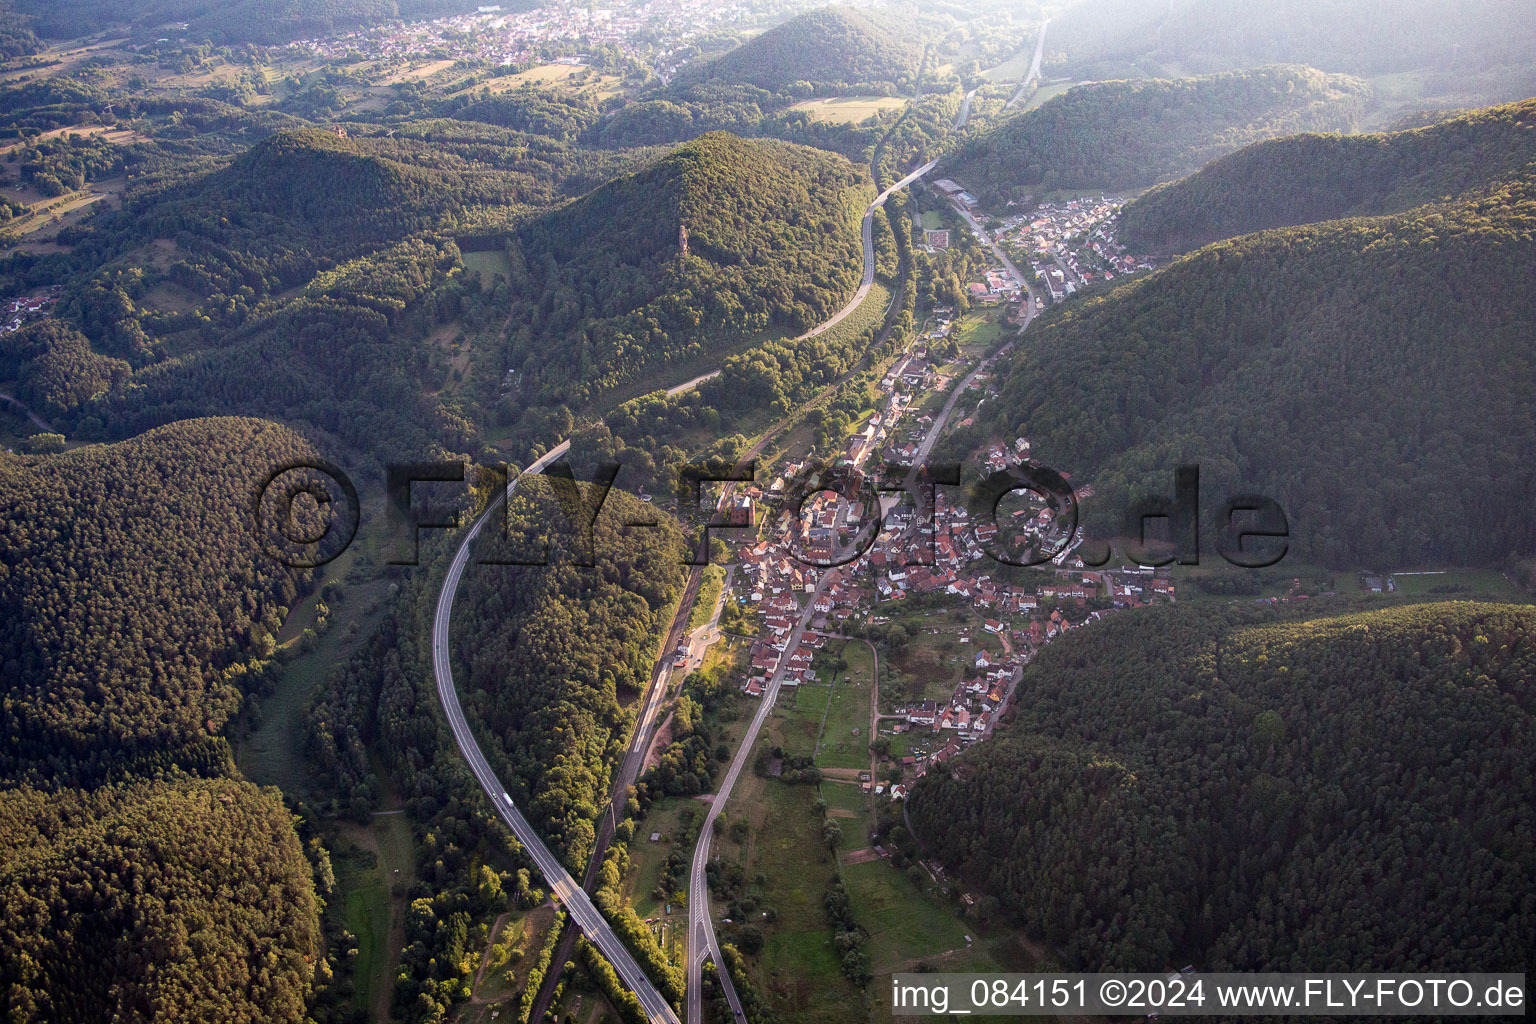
pixel 659 34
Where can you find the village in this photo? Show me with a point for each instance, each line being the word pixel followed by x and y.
pixel 16 313
pixel 1071 245
pixel 811 569
pixel 1067 244
pixel 656 33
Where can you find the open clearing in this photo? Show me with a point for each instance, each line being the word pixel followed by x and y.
pixel 1464 584
pixel 107 133
pixel 1046 93
pixel 507 959
pixel 488 264
pixel 418 73
pixel 577 77
pixel 849 109
pixel 845 737
pixel 377 863
pixel 798 968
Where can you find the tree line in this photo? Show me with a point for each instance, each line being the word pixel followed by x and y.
pixel 1257 788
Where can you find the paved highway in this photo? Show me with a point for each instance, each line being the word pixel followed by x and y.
pixel 563 887
pixel 689 385
pixel 868 243
pixel 965 109
pixel 1034 65
pixel 702 943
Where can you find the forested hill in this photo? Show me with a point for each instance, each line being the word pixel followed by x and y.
pixel 186 900
pixel 773 243
pixel 334 187
pixel 1236 789
pixel 1371 375
pixel 827 46
pixel 1131 133
pixel 133 592
pixel 1306 178
pixel 572 642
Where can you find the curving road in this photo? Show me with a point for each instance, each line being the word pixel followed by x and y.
pixel 965 109
pixel 1034 65
pixel 561 884
pixel 22 408
pixel 702 942
pixel 868 229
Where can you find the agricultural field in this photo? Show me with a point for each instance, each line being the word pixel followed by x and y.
pixel 795 723
pixel 1469 584
pixel 375 865
pixel 798 967
pixel 566 77
pixel 844 741
pixel 849 109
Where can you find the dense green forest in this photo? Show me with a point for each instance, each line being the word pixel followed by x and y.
pixel 345 354
pixel 1129 133
pixel 1371 375
pixel 604 292
pixel 750 89
pixel 828 46
pixel 385 259
pixel 16 37
pixel 550 652
pixel 179 900
pixel 134 592
pixel 1241 789
pixel 1305 178
pixel 298 280
pixel 54 367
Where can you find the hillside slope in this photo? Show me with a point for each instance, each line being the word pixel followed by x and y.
pixel 167 901
pixel 826 46
pixel 1131 133
pixel 1241 790
pixel 773 242
pixel 1372 375
pixel 1305 178
pixel 310 179
pixel 574 643
pixel 132 592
